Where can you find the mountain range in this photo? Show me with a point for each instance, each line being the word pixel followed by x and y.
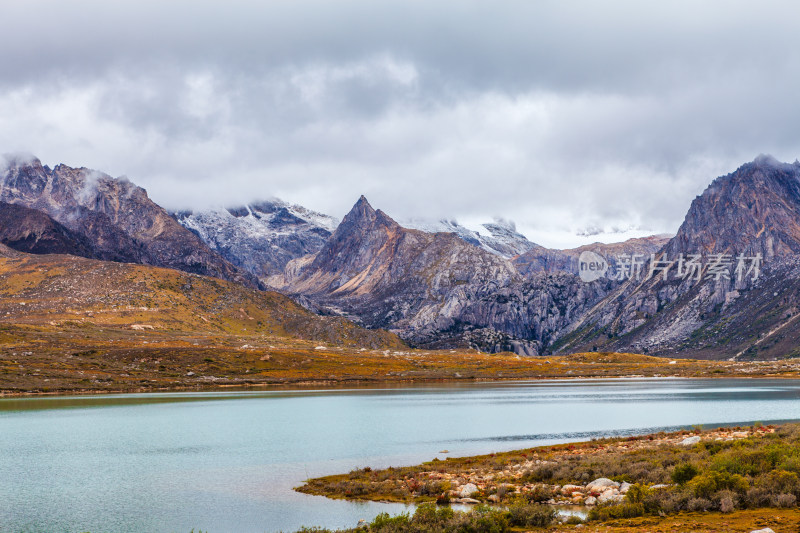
pixel 441 285
pixel 114 218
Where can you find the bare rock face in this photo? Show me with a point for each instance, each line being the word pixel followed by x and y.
pixel 438 290
pixel 7 252
pixel 261 237
pixel 114 215
pixel 750 212
pixel 435 289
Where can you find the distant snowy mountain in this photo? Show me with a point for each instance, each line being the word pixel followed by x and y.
pixel 503 238
pixel 261 237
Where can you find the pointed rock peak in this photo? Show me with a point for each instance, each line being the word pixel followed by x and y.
pixel 360 211
pixel 362 203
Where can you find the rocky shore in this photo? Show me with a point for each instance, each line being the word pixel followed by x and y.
pixel 498 478
pixel 484 485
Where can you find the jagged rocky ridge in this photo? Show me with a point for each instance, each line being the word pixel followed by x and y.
pixel 261 237
pixel 446 289
pixel 113 216
pixel 436 289
pixel 754 210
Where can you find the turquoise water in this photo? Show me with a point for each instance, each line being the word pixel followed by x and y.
pixel 227 461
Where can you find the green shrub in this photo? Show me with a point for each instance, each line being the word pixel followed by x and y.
pixel 637 493
pixel 530 515
pixel 540 493
pixel 616 511
pixel 684 473
pixel 779 482
pixel 540 474
pixel 705 485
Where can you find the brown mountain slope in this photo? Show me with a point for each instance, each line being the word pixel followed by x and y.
pixel 54 291
pixel 754 210
pixel 32 231
pixel 114 215
pixel 435 289
pixel 390 276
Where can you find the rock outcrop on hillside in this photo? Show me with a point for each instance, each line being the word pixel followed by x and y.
pixel 31 231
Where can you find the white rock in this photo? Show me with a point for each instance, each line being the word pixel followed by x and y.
pixel 610 496
pixel 601 484
pixel 690 441
pixel 591 500
pixel 624 487
pixel 469 501
pixel 467 490
pixel 765 530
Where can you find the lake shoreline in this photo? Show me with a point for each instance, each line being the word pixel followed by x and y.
pixel 331 385
pixel 98 372
pixel 244 448
pixel 692 470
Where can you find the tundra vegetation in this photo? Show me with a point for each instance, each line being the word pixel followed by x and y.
pixel 69 324
pixel 733 474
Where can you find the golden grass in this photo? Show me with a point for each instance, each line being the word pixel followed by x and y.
pixel 73 324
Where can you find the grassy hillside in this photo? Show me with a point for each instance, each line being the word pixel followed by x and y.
pixel 57 293
pixel 71 324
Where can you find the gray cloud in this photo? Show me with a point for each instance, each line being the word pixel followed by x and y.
pixel 563 116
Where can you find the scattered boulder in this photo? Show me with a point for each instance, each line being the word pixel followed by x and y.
pixel 765 530
pixel 601 484
pixel 610 495
pixel 467 490
pixel 690 441
pixel 591 500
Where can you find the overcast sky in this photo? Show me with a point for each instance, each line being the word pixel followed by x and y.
pixel 566 117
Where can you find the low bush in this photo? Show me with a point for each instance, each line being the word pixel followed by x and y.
pixel 530 515
pixel 613 512
pixel 684 473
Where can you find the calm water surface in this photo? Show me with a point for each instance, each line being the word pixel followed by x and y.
pixel 227 461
